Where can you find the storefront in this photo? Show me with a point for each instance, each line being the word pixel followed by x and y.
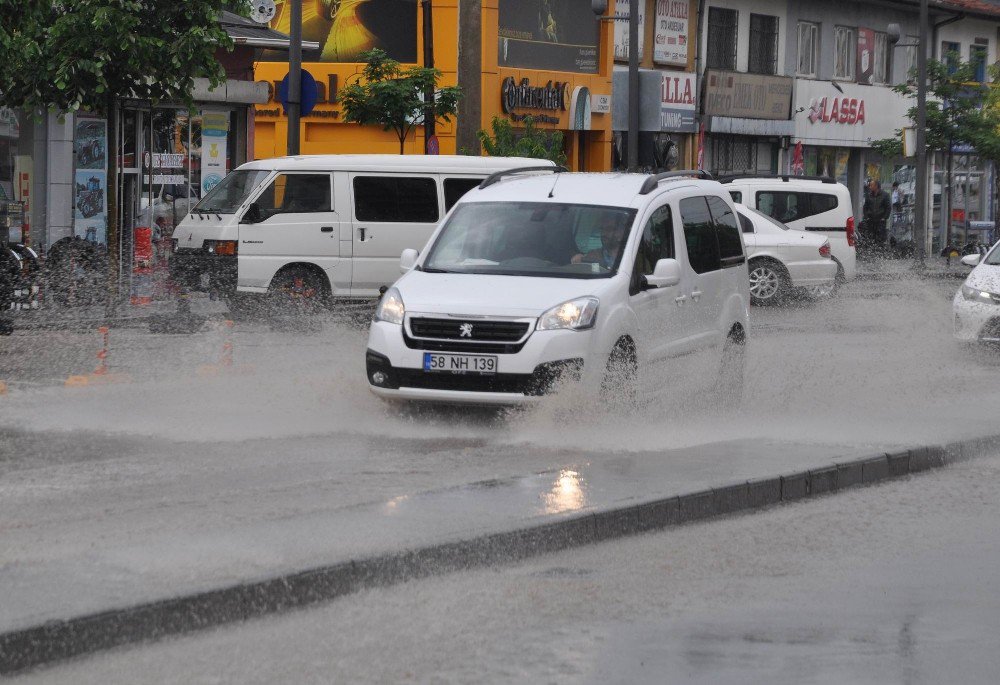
pixel 747 121
pixel 836 123
pixel 559 74
pixel 667 110
pixel 342 31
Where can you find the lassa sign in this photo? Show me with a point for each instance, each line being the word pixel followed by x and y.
pixel 844 110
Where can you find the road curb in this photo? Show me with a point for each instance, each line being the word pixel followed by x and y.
pixel 56 641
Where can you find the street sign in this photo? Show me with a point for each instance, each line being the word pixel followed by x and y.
pixel 433 146
pixel 310 93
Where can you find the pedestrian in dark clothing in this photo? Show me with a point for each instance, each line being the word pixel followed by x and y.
pixel 875 212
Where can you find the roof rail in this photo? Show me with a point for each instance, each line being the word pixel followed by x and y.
pixel 653 180
pixel 729 178
pixel 498 176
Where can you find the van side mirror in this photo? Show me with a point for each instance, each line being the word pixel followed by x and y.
pixel 407 259
pixel 666 273
pixel 252 215
pixel 971 259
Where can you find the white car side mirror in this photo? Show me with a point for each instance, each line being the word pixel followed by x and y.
pixel 971 259
pixel 407 260
pixel 666 273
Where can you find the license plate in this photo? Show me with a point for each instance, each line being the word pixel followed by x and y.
pixel 460 363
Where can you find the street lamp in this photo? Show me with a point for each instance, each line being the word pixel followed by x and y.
pixel 600 7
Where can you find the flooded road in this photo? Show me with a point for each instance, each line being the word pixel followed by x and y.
pixel 208 462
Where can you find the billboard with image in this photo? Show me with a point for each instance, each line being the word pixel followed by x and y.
pixel 552 35
pixel 346 28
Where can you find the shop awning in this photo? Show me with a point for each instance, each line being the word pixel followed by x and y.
pixel 246 32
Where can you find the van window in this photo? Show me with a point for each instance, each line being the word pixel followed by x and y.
pixel 657 241
pixel 786 206
pixel 398 199
pixel 296 193
pixel 728 232
pixel 699 235
pixel 455 188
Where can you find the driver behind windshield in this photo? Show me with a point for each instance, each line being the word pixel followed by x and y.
pixel 612 242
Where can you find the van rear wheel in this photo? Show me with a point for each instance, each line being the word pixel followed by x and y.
pixel 732 370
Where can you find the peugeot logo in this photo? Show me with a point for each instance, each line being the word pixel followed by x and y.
pixel 465 330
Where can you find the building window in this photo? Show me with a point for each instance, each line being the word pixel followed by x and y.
pixel 721 38
pixel 808 49
pixel 881 70
pixel 763 44
pixel 911 59
pixel 846 47
pixel 951 54
pixel 977 60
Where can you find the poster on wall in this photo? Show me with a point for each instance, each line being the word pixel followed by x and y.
pixel 670 43
pixel 866 56
pixel 621 30
pixel 553 35
pixel 346 28
pixel 90 188
pixel 214 133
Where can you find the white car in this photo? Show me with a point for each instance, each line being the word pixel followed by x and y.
pixel 977 302
pixel 806 203
pixel 624 283
pixel 780 259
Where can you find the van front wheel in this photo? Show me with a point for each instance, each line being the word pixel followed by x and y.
pixel 297 291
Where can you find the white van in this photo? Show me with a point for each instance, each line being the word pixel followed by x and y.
pixel 329 226
pixel 806 203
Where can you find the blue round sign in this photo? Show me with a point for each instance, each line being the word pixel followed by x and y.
pixel 310 93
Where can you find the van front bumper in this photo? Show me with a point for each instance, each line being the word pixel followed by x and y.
pixel 188 266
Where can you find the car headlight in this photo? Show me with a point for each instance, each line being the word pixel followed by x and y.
pixel 976 295
pixel 575 315
pixel 390 307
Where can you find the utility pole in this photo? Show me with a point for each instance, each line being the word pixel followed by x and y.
pixel 295 78
pixel 633 85
pixel 428 21
pixel 920 215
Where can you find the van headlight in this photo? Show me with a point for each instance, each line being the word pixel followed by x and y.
pixel 976 295
pixel 390 307
pixel 575 315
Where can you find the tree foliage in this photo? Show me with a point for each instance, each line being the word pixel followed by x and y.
pixel 392 97
pixel 953 102
pixel 70 55
pixel 528 142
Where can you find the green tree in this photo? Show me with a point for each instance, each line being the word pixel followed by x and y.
pixel 389 96
pixel 984 134
pixel 953 98
pixel 85 55
pixel 528 142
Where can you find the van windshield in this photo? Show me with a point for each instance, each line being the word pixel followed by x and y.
pixel 231 192
pixel 532 239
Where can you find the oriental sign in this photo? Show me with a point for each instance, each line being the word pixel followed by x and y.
pixel 516 96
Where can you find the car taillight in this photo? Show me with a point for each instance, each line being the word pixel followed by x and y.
pixel 824 250
pixel 850 231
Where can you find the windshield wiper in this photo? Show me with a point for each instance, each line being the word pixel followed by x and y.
pixel 429 270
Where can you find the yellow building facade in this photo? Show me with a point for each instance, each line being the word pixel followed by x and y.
pixel 576 102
